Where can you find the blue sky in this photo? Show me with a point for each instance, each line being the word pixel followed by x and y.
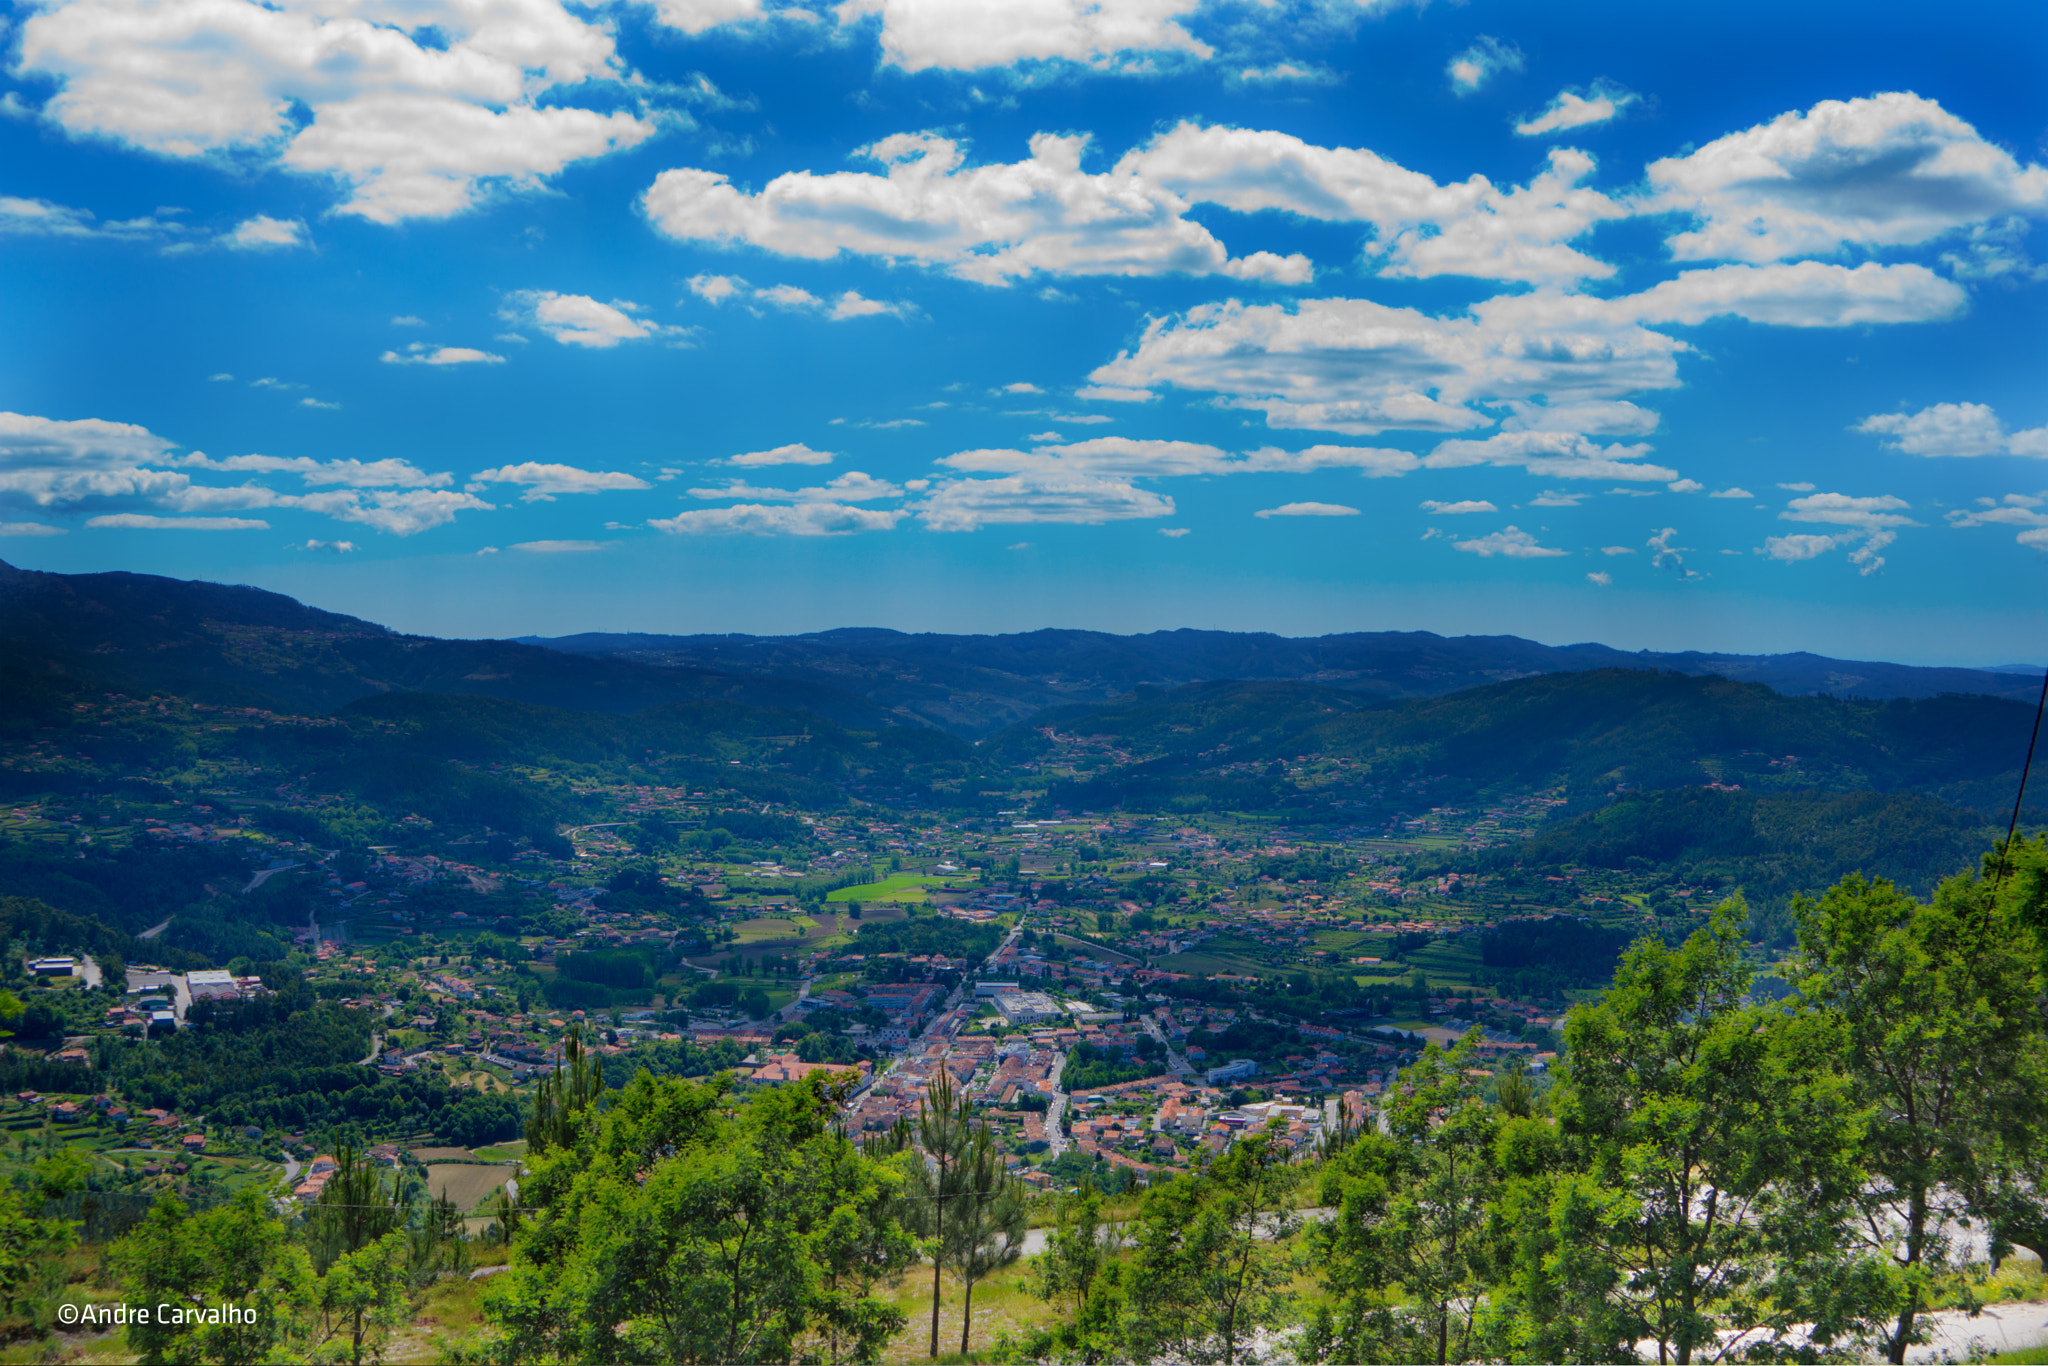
pixel 1667 327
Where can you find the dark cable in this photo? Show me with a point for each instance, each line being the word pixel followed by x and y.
pixel 2005 855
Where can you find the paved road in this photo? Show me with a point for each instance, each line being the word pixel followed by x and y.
pixel 1055 1135
pixel 263 876
pixel 1180 1065
pixel 376 1047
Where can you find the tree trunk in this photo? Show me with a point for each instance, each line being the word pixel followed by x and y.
pixel 938 1258
pixel 966 1318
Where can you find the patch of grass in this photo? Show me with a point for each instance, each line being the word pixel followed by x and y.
pixel 895 887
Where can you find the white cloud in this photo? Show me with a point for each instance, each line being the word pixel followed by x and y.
pixel 852 305
pixel 41 218
pixel 919 35
pixel 1354 365
pixel 796 453
pixel 1866 555
pixel 1685 486
pixel 789 519
pixel 1109 394
pixel 1512 542
pixel 1129 458
pixel 389 472
pixel 851 487
pixel 1611 550
pixel 1308 510
pixel 1045 437
pixel 1611 418
pixel 1804 546
pixel 1479 63
pixel 544 481
pixel 991 223
pixel 86 443
pixel 1557 455
pixel 1174 533
pixel 696 16
pixel 142 521
pixel 1436 509
pixel 1357 366
pixel 1668 556
pixel 1797 488
pixel 332 547
pixel 1954 429
pixel 1020 387
pixel 1288 71
pixel 1842 510
pixel 319 403
pixel 1039 495
pixel 1600 578
pixel 29 529
pixel 408 320
pixel 1421 229
pixel 1553 498
pixel 489 550
pixel 562 547
pixel 1892 170
pixel 579 320
pixel 414 124
pixel 1572 110
pixel 789 296
pixel 263 233
pixel 1802 294
pixel 1020 545
pixel 404 512
pixel 1732 492
pixel 716 289
pixel 421 354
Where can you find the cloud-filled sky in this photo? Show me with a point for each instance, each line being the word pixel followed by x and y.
pixel 1672 329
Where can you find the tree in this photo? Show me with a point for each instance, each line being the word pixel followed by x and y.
pixel 987 1232
pixel 1209 1268
pixel 945 1134
pixel 235 1254
pixel 30 1251
pixel 363 1295
pixel 1711 1154
pixel 353 1210
pixel 681 1229
pixel 562 1097
pixel 1413 1213
pixel 1939 1008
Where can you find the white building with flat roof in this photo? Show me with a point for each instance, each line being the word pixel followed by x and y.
pixel 1028 1007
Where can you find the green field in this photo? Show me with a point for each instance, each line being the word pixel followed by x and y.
pixel 1447 962
pixel 895 887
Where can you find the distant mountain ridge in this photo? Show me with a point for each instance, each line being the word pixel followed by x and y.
pixel 974 685
pixel 238 645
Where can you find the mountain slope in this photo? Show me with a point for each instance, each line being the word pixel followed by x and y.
pixel 221 643
pixel 1591 733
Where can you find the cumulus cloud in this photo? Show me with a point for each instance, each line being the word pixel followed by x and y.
pixel 1362 367
pixel 389 472
pixel 991 223
pixel 1038 495
pixel 1665 555
pixel 1308 510
pixel 1891 170
pixel 1174 533
pixel 716 289
pixel 1480 63
pixel 544 481
pixel 1685 486
pixel 1557 455
pixel 1126 457
pixel 1512 542
pixel 1600 578
pixel 579 320
pixel 143 521
pixel 1732 491
pixel 851 487
pixel 1803 546
pixel 421 354
pixel 796 453
pixel 917 35
pixel 413 110
pixel 1573 110
pixel 1841 509
pixel 263 233
pixel 1421 229
pixel 331 547
pixel 1953 429
pixel 1436 509
pixel 1293 72
pixel 400 512
pixel 787 519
